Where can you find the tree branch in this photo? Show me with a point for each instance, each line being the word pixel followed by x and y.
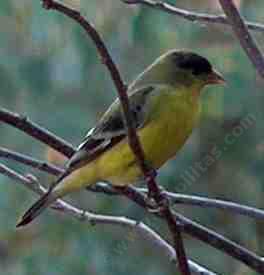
pixel 176 198
pixel 219 242
pixel 29 161
pixel 26 125
pixel 232 18
pixel 140 228
pixel 230 206
pixel 246 40
pixel 215 240
pixel 192 16
pixel 210 237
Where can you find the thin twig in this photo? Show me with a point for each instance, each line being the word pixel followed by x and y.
pixel 24 124
pixel 140 228
pixel 214 239
pixel 176 198
pixel 190 15
pixel 230 206
pixel 247 42
pixel 27 160
pixel 133 140
pixel 232 18
pixel 219 242
pixel 105 188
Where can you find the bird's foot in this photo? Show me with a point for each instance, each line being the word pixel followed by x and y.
pixel 159 207
pixel 151 174
pixel 157 202
pixel 158 194
pixel 150 204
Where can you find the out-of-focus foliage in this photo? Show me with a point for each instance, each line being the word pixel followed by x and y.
pixel 49 70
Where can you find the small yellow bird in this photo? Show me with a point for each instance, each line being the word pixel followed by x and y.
pixel 164 101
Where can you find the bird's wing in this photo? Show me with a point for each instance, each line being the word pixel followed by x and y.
pixel 111 128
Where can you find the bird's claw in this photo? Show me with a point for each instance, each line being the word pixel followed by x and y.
pixel 159 204
pixel 151 174
pixel 160 207
pixel 152 195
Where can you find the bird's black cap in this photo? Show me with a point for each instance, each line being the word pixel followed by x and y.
pixel 192 61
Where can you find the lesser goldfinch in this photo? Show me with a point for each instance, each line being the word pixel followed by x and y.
pixel 165 105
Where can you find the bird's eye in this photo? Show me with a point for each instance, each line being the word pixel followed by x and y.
pixel 138 108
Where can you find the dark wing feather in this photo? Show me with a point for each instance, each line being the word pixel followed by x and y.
pixel 110 129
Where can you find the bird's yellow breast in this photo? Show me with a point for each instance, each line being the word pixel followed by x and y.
pixel 172 117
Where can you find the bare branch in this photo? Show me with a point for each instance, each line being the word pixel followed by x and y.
pixel 26 125
pixel 132 192
pixel 31 183
pixel 209 237
pixel 232 18
pixel 231 207
pixel 212 238
pixel 22 158
pixel 140 228
pixel 190 15
pixel 176 198
pixel 193 229
pixel 247 42
pixel 110 190
pixel 218 241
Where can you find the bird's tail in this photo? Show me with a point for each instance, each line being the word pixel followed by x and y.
pixel 37 208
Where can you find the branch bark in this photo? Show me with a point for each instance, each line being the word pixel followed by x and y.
pixel 215 240
pixel 176 198
pixel 230 206
pixel 190 15
pixel 247 42
pixel 232 18
pixel 105 188
pixel 24 124
pixel 29 161
pixel 142 230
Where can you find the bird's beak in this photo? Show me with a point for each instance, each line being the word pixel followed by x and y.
pixel 215 78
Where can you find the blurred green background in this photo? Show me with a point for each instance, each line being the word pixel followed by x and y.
pixel 50 71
